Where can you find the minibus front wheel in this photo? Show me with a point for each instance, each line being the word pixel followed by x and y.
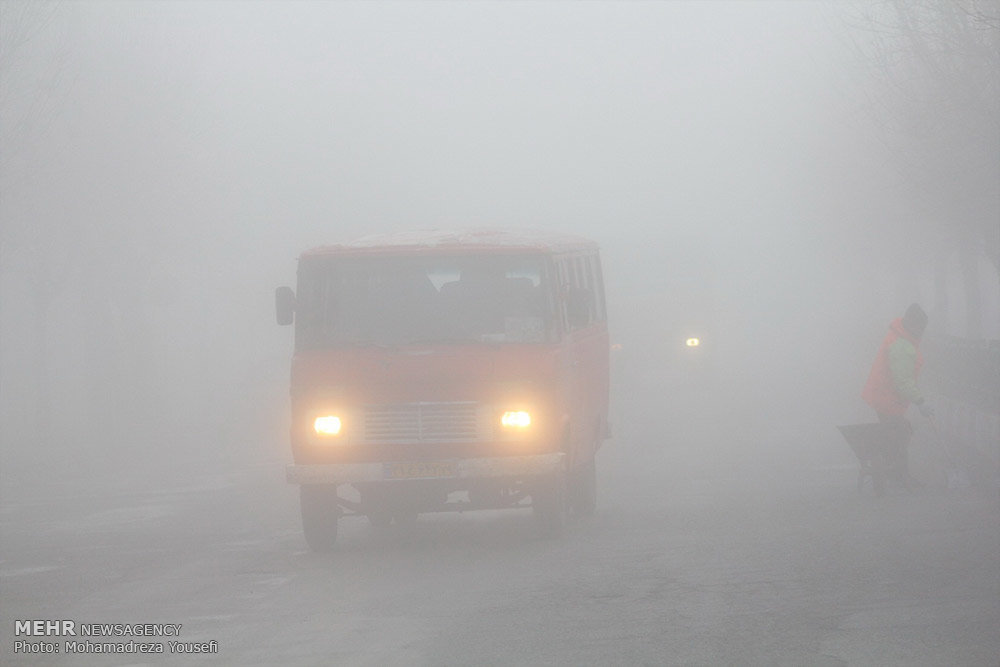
pixel 549 502
pixel 585 488
pixel 320 513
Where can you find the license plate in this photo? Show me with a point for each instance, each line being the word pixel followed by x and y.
pixel 419 470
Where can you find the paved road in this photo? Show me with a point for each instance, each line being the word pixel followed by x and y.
pixel 752 552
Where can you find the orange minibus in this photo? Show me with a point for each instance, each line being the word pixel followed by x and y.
pixel 438 371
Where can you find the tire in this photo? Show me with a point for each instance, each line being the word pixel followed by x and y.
pixel 319 515
pixel 549 503
pixel 881 470
pixel 380 520
pixel 585 489
pixel 878 471
pixel 878 483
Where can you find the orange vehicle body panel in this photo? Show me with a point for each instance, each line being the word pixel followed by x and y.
pixel 347 380
pixel 563 381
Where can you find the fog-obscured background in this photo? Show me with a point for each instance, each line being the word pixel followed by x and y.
pixel 787 176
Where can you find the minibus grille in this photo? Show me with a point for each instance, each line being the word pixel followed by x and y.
pixel 422 422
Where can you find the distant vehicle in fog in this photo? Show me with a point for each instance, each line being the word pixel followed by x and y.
pixel 440 371
pixel 670 333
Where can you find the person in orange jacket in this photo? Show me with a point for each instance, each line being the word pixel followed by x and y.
pixel 892 383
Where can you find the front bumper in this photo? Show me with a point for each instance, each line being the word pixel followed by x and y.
pixel 500 466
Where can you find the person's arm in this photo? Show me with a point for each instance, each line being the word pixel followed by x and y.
pixel 903 366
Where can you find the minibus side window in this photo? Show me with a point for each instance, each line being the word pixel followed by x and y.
pixel 600 283
pixel 587 273
pixel 579 298
pixel 597 284
pixel 562 284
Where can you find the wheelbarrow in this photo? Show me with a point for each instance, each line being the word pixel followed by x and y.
pixel 880 452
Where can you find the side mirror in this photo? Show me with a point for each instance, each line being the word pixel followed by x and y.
pixel 284 305
pixel 578 302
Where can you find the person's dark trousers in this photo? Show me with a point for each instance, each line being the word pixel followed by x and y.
pixel 897 443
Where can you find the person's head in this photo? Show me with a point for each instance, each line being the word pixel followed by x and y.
pixel 915 320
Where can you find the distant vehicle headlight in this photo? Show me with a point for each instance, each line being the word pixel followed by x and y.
pixel 693 342
pixel 327 425
pixel 516 419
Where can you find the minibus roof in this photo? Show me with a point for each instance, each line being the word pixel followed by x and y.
pixel 434 241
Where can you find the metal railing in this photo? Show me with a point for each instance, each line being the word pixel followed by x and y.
pixel 966 370
pixel 963 377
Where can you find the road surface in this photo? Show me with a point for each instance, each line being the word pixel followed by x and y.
pixel 709 548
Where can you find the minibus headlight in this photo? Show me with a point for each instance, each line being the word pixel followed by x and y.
pixel 516 419
pixel 692 342
pixel 327 425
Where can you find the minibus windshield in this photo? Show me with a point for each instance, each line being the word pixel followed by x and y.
pixel 423 300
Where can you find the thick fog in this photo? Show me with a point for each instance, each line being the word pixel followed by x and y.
pixel 780 179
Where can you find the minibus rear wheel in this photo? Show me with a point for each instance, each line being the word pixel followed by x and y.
pixel 319 515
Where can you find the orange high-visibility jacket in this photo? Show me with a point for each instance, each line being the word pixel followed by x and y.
pixel 892 383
